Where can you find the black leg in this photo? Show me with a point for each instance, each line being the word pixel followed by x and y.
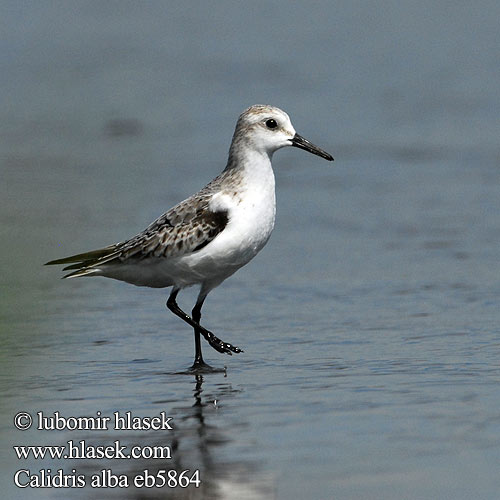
pixel 196 315
pixel 214 341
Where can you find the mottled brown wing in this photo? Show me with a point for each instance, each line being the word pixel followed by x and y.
pixel 185 228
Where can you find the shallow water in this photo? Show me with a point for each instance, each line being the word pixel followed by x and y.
pixel 370 320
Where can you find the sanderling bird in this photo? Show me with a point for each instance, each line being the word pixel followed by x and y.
pixel 207 237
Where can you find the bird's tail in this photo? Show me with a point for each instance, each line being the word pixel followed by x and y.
pixel 87 263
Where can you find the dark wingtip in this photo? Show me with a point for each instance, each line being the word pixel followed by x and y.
pixel 58 262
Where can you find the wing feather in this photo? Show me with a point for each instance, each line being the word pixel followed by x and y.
pixel 185 228
pixel 92 255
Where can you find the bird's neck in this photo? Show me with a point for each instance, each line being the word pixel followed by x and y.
pixel 254 166
pixel 247 158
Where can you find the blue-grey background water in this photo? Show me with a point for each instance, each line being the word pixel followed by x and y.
pixel 370 322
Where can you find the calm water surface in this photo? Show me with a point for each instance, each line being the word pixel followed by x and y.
pixel 370 322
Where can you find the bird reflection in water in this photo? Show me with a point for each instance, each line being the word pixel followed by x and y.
pixel 201 439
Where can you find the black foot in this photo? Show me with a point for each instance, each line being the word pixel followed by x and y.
pixel 202 367
pixel 218 344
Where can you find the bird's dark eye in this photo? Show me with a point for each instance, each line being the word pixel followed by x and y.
pixel 271 123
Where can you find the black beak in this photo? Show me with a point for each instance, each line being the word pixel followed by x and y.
pixel 299 142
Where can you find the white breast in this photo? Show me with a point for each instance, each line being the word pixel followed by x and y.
pixel 251 208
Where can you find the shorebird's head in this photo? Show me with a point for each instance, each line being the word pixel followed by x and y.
pixel 267 129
